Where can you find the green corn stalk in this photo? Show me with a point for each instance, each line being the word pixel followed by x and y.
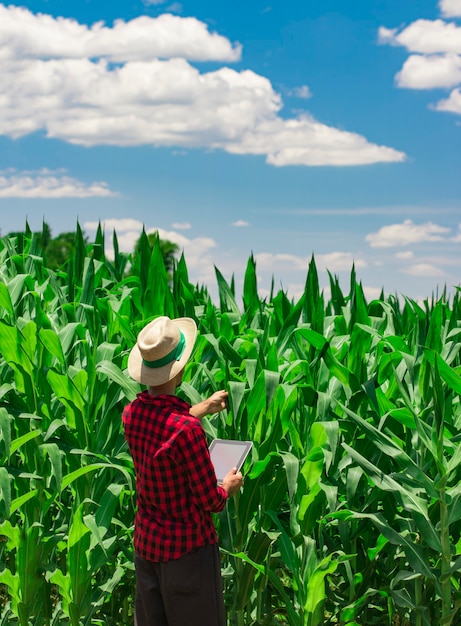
pixel 424 483
pixel 89 547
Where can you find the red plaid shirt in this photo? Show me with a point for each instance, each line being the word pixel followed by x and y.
pixel 175 479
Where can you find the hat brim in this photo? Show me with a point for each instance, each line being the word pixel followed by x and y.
pixel 154 377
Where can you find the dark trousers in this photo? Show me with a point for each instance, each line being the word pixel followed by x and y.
pixel 183 592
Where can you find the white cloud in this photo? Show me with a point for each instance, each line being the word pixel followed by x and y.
pixel 304 141
pixel 450 8
pixel 436 59
pixel 181 226
pixel 302 92
pixel 270 261
pixel 430 72
pixel 452 104
pixel 25 35
pixel 338 262
pixel 387 36
pixel 424 36
pixel 240 223
pixel 48 184
pixel 405 255
pixel 293 290
pixel 405 234
pixel 372 293
pixel 423 269
pixel 131 84
pixel 119 225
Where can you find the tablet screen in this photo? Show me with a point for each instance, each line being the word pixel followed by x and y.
pixel 226 454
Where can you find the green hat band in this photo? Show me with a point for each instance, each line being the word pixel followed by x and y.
pixel 175 354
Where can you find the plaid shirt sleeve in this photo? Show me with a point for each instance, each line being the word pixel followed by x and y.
pixel 202 478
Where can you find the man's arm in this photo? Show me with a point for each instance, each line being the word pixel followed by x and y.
pixel 213 404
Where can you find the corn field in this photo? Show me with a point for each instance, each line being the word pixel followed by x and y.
pixel 351 509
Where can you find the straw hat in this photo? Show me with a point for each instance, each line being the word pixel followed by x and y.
pixel 162 349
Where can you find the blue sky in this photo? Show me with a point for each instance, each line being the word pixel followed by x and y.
pixel 275 129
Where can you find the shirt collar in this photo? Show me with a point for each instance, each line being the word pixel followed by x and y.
pixel 163 399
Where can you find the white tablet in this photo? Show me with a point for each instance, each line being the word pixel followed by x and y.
pixel 228 453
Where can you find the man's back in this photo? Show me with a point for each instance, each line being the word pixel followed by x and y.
pixel 176 483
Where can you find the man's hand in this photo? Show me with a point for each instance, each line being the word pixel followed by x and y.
pixel 217 402
pixel 213 404
pixel 232 481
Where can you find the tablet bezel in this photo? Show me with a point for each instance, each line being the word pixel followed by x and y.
pixel 243 446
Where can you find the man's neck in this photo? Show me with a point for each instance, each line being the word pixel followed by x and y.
pixel 168 388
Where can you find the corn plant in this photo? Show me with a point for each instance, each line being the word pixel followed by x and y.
pixel 350 511
pixel 419 467
pixel 60 449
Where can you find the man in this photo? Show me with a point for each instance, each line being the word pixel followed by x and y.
pixel 178 572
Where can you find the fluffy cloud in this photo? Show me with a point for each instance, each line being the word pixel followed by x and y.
pixel 423 269
pixel 270 261
pixel 132 84
pixel 48 184
pixel 338 261
pixel 26 35
pixel 240 223
pixel 430 72
pixel 452 104
pixel 425 37
pixel 304 141
pixel 435 61
pixel 119 225
pixel 450 8
pixel 372 293
pixel 406 233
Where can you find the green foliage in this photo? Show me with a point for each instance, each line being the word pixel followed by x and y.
pixel 351 508
pixel 167 249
